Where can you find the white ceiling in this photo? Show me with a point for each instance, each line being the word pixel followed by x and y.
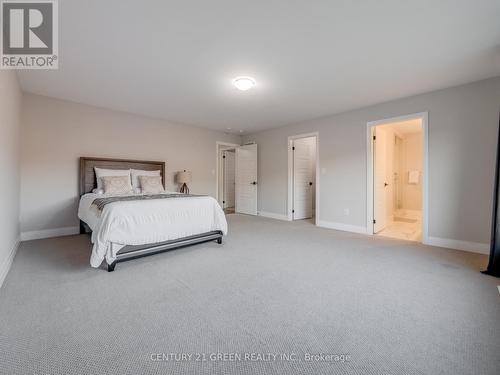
pixel 175 59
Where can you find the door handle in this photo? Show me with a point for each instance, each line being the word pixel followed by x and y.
pixel 310 183
pixel 254 183
pixel 386 184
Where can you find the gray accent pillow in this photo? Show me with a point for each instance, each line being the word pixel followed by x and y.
pixel 101 172
pixel 135 173
pixel 116 185
pixel 151 184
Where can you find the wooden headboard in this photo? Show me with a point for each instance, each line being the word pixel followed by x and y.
pixel 87 173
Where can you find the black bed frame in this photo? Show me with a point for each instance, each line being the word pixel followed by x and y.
pixel 129 252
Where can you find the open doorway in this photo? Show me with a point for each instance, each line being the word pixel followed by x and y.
pixel 226 172
pixel 228 180
pixel 302 176
pixel 398 155
pixel 236 181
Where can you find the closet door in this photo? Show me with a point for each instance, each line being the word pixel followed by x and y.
pixel 246 179
pixel 304 156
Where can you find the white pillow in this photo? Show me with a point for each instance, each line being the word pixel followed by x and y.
pixel 100 173
pixel 135 173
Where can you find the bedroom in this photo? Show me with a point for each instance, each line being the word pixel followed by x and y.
pixel 165 93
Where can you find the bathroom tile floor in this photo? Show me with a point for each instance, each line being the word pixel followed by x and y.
pixel 403 230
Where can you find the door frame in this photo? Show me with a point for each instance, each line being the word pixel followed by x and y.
pixel 424 117
pixel 218 161
pixel 224 155
pixel 290 175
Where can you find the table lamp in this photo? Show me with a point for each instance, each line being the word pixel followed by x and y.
pixel 183 178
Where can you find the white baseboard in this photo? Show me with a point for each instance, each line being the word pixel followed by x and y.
pixel 473 247
pixel 48 233
pixel 341 226
pixel 7 263
pixel 272 215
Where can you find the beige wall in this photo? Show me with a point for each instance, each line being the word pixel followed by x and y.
pixel 463 125
pixel 412 160
pixel 56 133
pixel 10 114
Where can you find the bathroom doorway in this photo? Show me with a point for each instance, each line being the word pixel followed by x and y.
pixel 398 178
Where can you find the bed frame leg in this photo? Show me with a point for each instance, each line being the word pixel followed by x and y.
pixel 219 240
pixel 111 267
pixel 82 228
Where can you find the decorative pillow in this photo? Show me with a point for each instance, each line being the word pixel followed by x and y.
pixel 117 185
pixel 100 173
pixel 101 191
pixel 151 184
pixel 135 173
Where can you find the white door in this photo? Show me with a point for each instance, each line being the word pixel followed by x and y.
pixel 229 178
pixel 380 182
pixel 246 179
pixel 304 168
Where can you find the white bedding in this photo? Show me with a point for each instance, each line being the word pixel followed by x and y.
pixel 147 221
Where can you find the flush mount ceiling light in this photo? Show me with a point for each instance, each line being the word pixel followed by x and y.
pixel 244 83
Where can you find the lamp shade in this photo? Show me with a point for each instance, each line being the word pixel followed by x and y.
pixel 184 177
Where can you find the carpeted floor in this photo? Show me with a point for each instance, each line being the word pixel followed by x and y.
pixel 273 287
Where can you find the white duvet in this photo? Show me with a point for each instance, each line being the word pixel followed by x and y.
pixel 144 222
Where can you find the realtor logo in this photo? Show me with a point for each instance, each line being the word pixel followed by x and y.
pixel 29 34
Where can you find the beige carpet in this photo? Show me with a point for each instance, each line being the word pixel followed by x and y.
pixel 274 288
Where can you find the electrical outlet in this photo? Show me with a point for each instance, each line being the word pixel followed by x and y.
pixel 347 212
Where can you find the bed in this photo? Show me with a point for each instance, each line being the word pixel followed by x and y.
pixel 130 226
